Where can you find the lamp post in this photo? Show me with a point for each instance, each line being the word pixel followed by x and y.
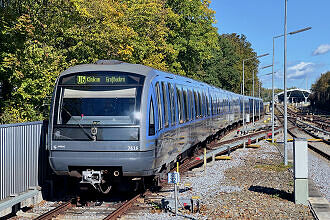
pixel 260 86
pixel 243 85
pixel 253 107
pixel 273 93
pixel 285 88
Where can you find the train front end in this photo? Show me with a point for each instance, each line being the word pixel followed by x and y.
pixel 94 129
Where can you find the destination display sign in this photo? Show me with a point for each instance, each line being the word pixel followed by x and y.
pixel 104 78
pixel 82 80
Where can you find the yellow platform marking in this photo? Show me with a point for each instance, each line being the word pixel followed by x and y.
pixel 254 145
pixel 314 140
pixel 187 184
pixel 269 139
pixel 223 157
pixel 195 197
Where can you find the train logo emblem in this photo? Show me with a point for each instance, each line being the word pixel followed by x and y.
pixel 81 79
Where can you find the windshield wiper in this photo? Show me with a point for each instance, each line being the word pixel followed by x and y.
pixel 88 135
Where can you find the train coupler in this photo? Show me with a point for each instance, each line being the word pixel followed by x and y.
pixel 95 178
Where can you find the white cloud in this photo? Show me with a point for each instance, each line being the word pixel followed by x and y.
pixel 300 70
pixel 322 49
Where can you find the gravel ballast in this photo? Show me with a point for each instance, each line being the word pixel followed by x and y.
pixel 253 185
pixel 319 172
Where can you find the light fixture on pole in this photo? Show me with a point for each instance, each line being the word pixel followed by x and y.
pixel 253 85
pixel 259 84
pixel 285 90
pixel 243 85
pixel 273 93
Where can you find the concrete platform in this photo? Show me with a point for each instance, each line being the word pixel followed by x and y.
pixel 320 207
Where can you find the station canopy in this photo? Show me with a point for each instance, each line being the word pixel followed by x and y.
pixel 294 96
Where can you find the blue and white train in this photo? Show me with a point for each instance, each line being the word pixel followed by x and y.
pixel 115 122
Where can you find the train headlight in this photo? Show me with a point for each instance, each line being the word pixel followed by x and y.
pixel 137 115
pixel 57 134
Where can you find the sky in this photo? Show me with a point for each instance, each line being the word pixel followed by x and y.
pixel 308 53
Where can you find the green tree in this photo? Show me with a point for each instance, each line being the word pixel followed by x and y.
pixel 41 38
pixel 225 68
pixel 192 35
pixel 321 92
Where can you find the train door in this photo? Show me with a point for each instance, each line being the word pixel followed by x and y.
pixel 152 124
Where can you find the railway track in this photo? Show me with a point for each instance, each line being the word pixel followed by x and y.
pixel 317 121
pixel 54 212
pixel 185 166
pixel 308 132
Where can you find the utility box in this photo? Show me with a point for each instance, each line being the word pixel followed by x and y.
pixel 300 160
pixel 247 117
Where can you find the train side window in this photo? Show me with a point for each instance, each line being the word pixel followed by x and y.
pixel 185 101
pixel 216 105
pixel 159 107
pixel 191 105
pixel 211 102
pixel 207 106
pixel 179 102
pixel 151 119
pixel 173 105
pixel 221 105
pixel 164 91
pixel 199 104
pixel 214 101
pixel 203 104
pixel 195 104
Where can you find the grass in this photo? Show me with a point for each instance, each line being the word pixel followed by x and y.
pixel 274 167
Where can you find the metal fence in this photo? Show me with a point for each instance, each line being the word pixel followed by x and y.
pixel 22 156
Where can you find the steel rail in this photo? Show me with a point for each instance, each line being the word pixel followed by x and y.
pixel 122 209
pixel 54 212
pixel 294 120
pixel 310 145
pixel 236 143
pixel 185 166
pixel 323 123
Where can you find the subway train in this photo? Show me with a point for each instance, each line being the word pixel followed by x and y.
pixel 113 123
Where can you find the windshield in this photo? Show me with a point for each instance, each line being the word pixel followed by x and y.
pixel 94 104
pixel 98 106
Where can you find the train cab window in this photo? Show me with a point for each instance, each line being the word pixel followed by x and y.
pixel 159 107
pixel 151 119
pixel 185 101
pixel 164 91
pixel 179 102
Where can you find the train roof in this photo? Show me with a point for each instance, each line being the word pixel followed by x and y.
pixel 116 65
pixel 109 66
